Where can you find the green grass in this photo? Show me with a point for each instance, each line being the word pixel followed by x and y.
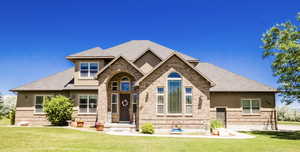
pixel 289 123
pixel 4 121
pixel 17 139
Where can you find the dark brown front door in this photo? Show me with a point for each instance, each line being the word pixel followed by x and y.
pixel 124 107
pixel 221 115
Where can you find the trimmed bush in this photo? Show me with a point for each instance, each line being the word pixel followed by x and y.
pixel 58 110
pixel 148 128
pixel 214 124
pixel 12 116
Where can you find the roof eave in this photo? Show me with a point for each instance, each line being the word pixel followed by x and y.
pixel 252 91
pixel 24 90
pixel 80 89
pixel 89 57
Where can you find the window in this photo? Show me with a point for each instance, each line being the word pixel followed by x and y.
pixel 174 75
pixel 160 101
pixel 135 102
pixel 174 93
pixel 39 103
pixel 125 84
pixel 88 69
pixel 114 103
pixel 114 86
pixel 87 104
pixel 188 101
pixel 250 105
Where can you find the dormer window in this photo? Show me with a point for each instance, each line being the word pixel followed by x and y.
pixel 88 69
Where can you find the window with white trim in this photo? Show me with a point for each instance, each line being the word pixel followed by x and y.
pixel 87 104
pixel 39 103
pixel 188 100
pixel 114 102
pixel 160 100
pixel 174 93
pixel 114 86
pixel 135 97
pixel 88 69
pixel 250 105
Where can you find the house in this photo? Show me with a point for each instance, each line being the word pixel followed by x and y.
pixel 141 81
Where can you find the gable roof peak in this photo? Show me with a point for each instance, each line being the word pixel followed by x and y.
pixel 114 60
pixel 177 54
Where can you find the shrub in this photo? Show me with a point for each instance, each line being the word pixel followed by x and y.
pixel 12 116
pixel 214 124
pixel 58 110
pixel 286 113
pixel 1 113
pixel 147 128
pixel 6 105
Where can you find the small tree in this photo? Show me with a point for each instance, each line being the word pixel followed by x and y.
pixel 1 106
pixel 58 110
pixel 282 43
pixel 7 104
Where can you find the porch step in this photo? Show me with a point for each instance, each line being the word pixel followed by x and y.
pixel 119 127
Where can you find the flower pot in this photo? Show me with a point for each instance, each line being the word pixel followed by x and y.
pixel 80 123
pixel 99 127
pixel 215 132
pixel 73 124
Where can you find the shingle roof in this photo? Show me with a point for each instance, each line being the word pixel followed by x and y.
pixel 91 53
pixel 230 82
pixel 224 80
pixel 54 82
pixel 80 87
pixel 130 50
pixel 133 49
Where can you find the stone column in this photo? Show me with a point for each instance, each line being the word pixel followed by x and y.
pixel 102 103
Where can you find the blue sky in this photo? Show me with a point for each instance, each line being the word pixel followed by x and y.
pixel 35 36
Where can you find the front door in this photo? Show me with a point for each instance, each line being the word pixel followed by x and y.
pixel 124 107
pixel 221 115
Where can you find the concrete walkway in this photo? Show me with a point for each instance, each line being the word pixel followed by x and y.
pixel 237 136
pixel 288 128
pixel 128 133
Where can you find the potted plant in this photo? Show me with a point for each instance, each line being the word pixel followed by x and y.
pixel 80 123
pixel 99 126
pixel 215 125
pixel 73 123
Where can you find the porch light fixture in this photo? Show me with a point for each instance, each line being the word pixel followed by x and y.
pixel 147 96
pixel 200 102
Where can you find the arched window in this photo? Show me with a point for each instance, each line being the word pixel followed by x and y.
pixel 125 84
pixel 174 93
pixel 174 75
pixel 125 79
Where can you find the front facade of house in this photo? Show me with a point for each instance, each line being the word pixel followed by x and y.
pixel 141 81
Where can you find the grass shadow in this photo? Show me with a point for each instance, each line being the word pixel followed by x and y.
pixel 290 135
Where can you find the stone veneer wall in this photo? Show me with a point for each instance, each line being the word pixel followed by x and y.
pixel 190 78
pixel 119 66
pixel 147 61
pixel 265 119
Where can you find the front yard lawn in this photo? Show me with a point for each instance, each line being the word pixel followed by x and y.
pixel 289 123
pixel 22 139
pixel 4 121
